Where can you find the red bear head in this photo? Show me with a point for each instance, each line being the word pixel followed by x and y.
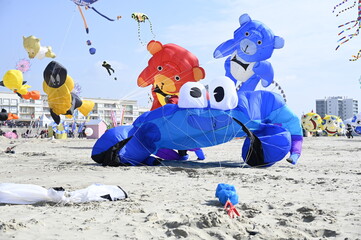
pixel 168 69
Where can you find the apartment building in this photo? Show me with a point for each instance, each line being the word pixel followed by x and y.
pixel 121 111
pixel 340 106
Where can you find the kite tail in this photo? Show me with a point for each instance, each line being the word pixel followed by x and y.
pixel 82 16
pixel 151 28
pixel 347 29
pixel 86 107
pixel 334 8
pixel 139 37
pixel 281 90
pixel 356 57
pixel 101 14
pixel 343 10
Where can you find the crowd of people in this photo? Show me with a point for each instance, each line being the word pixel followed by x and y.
pixel 32 132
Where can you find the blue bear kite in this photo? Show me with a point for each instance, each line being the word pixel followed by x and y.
pixel 252 44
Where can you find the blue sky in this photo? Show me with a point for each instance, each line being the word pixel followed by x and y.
pixel 307 68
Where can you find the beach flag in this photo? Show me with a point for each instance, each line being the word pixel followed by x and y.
pixel 122 116
pixel 113 118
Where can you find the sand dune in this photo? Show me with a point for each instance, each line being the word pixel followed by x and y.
pixel 319 198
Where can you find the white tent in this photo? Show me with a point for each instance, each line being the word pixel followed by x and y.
pixel 44 121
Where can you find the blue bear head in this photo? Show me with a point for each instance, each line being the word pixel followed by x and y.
pixel 253 41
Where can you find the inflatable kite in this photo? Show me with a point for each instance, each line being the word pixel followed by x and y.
pixel 23 65
pixel 228 197
pixel 356 123
pixel 271 128
pixel 252 44
pixel 141 18
pixel 11 135
pixel 4 115
pixel 332 125
pixel 168 69
pixel 13 80
pixel 58 85
pixel 15 193
pixel 35 50
pixel 311 122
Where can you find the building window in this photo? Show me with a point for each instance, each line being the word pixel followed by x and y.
pixel 14 102
pixel 13 109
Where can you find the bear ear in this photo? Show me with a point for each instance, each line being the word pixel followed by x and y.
pixel 244 18
pixel 24 37
pixel 154 47
pixel 279 42
pixel 198 73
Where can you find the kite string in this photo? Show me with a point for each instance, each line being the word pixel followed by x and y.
pixel 67 33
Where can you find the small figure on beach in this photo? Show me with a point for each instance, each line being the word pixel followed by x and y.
pixel 349 130
pixel 10 149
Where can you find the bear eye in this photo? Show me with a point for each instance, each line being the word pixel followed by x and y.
pixel 259 42
pixel 192 95
pixel 222 94
pixel 159 68
pixel 329 121
pixel 177 78
pixel 246 34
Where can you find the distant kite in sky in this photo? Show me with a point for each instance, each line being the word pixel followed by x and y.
pixel 35 49
pixel 141 18
pixel 13 80
pixel 77 89
pixel 350 25
pixel 86 4
pixel 23 65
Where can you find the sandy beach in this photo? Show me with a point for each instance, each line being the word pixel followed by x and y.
pixel 319 198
